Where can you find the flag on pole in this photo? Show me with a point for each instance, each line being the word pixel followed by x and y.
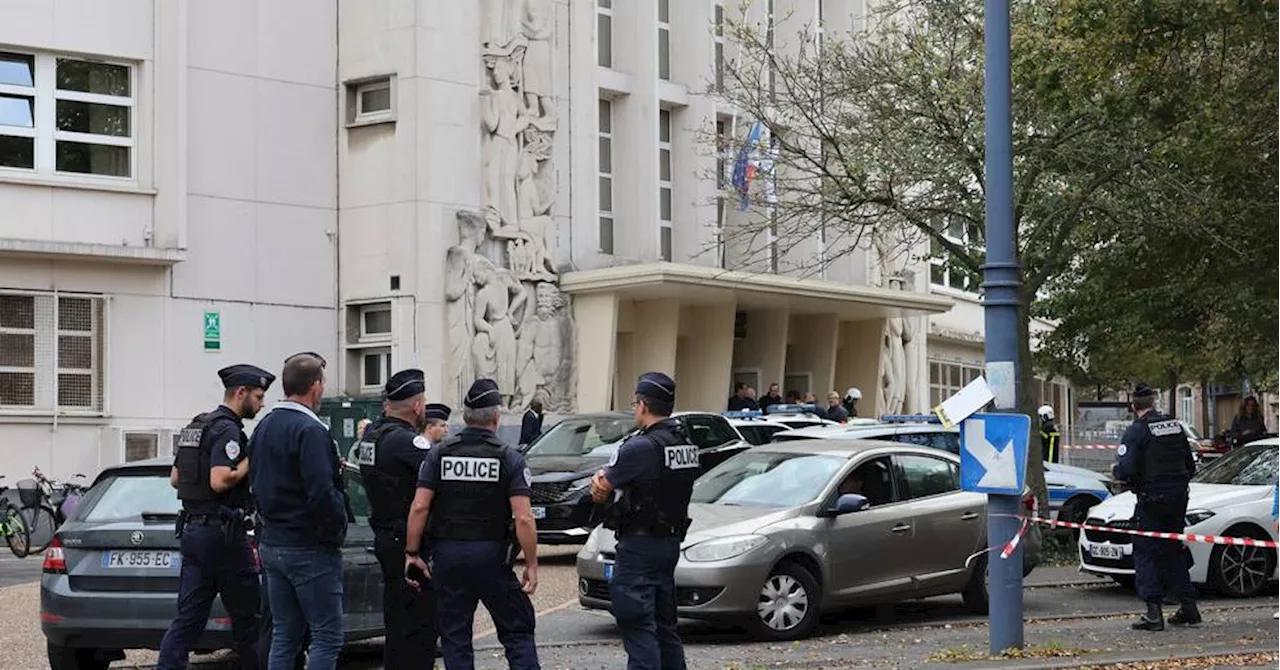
pixel 744 169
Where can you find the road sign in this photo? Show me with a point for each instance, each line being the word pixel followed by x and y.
pixel 212 330
pixel 993 453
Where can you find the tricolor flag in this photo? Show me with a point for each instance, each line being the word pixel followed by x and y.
pixel 744 169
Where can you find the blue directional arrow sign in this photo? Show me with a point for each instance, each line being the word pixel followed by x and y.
pixel 993 453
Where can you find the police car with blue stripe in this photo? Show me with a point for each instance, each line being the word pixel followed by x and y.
pixel 1072 491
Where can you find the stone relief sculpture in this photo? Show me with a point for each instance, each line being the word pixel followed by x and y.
pixel 507 317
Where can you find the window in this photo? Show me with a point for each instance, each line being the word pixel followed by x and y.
pixel 66 116
pixel 127 496
pixel 664 39
pixel 140 446
pixel 376 368
pixel 800 382
pixel 872 480
pixel 1186 404
pixel 604 33
pixel 605 195
pixel 664 184
pixel 925 476
pixel 946 379
pixel 375 321
pixel 719 46
pixel 371 101
pixel 708 431
pixel 767 479
pixel 51 353
pixel 944 270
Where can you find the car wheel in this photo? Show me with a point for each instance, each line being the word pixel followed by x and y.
pixel 787 607
pixel 975 593
pixel 1075 510
pixel 1126 581
pixel 71 658
pixel 1238 571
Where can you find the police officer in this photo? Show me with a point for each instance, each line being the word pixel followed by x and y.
pixel 210 472
pixel 1155 459
pixel 437 428
pixel 389 454
pixel 1050 438
pixel 654 469
pixel 470 487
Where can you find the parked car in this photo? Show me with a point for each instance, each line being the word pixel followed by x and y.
pixel 1072 490
pixel 754 427
pixel 563 460
pixel 798 416
pixel 110 574
pixel 1232 496
pixel 785 531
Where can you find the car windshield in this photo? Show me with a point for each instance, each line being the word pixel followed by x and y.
pixel 1247 466
pixel 767 479
pixel 129 495
pixel 579 437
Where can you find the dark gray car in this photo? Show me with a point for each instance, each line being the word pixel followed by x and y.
pixel 110 578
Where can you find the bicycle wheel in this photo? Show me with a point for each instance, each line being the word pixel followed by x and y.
pixel 41 525
pixel 15 532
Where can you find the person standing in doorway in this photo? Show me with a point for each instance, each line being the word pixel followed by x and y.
pixel 740 400
pixel 770 398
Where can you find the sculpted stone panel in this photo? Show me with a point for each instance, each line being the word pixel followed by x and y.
pixel 507 317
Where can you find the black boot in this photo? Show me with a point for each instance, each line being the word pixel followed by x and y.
pixel 1187 615
pixel 1153 620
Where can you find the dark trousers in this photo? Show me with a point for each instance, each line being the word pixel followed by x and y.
pixel 213 565
pixel 467 572
pixel 1160 566
pixel 643 593
pixel 408 615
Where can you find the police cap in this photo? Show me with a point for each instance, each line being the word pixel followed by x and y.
pixel 483 393
pixel 405 384
pixel 437 411
pixel 251 376
pixel 657 386
pixel 1143 391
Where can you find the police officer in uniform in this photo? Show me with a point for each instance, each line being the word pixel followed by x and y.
pixel 1050 438
pixel 1155 459
pixel 470 488
pixel 437 428
pixel 654 470
pixel 389 454
pixel 211 474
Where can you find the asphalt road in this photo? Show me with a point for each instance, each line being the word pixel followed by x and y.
pixel 14 570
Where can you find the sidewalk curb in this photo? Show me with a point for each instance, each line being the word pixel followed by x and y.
pixel 1111 659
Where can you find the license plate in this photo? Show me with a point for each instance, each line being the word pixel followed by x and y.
pixel 539 512
pixel 1108 551
pixel 161 560
pixel 608 572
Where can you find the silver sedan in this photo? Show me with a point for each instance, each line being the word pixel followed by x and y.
pixel 785 531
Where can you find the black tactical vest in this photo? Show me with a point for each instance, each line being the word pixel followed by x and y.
pixel 193 459
pixel 661 507
pixel 1164 456
pixel 389 484
pixel 472 498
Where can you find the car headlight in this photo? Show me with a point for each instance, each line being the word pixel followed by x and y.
pixel 579 484
pixel 1196 516
pixel 723 548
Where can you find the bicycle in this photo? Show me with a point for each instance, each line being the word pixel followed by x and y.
pixel 42 501
pixel 13 529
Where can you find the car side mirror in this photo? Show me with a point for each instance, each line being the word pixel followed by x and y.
pixel 846 503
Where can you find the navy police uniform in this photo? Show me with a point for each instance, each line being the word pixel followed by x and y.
pixel 389 455
pixel 216 556
pixel 474 476
pixel 1156 461
pixel 653 471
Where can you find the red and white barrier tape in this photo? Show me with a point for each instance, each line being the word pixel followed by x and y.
pixel 1112 447
pixel 1184 537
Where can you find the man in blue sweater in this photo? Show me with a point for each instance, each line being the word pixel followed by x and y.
pixel 296 480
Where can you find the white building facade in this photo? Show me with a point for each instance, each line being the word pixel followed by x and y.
pixel 520 189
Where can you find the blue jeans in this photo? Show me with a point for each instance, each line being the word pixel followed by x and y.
pixel 643 593
pixel 304 586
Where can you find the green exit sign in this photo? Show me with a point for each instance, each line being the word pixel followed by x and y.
pixel 212 331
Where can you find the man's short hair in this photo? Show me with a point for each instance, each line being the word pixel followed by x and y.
pixel 402 405
pixel 655 406
pixel 481 416
pixel 300 373
pixel 738 386
pixel 1143 402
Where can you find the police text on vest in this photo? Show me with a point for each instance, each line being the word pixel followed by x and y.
pixel 366 453
pixel 470 469
pixel 681 457
pixel 1165 428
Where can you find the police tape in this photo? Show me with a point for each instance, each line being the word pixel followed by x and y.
pixel 1184 537
pixel 1091 446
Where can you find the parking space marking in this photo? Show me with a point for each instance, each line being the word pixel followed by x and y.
pixel 536 615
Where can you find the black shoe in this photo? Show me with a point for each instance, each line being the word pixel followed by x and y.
pixel 1187 615
pixel 1153 620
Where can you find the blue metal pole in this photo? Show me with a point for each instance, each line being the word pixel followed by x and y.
pixel 1002 282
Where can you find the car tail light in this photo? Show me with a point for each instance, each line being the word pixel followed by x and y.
pixel 54 562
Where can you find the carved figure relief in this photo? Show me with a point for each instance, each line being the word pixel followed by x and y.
pixel 507 317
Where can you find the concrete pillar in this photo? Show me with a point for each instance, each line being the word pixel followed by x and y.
pixel 858 362
pixel 814 349
pixel 765 347
pixel 705 358
pixel 596 320
pixel 656 329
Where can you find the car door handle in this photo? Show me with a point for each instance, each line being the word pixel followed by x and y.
pixel 900 528
pixel 968 516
